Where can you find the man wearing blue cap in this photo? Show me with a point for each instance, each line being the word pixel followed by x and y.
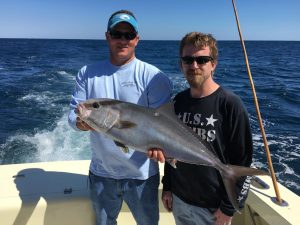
pixel 115 175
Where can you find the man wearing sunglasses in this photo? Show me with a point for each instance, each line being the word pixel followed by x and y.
pixel 194 193
pixel 115 175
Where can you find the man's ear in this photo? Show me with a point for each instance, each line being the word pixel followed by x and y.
pixel 214 65
pixel 137 40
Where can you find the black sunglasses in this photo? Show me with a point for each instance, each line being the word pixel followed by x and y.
pixel 118 35
pixel 201 60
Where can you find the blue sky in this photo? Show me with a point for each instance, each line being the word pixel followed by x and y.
pixel 158 19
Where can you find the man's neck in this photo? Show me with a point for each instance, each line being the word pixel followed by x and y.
pixel 121 62
pixel 204 90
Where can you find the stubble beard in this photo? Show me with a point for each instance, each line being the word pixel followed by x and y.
pixel 197 79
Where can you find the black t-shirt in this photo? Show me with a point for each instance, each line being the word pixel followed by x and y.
pixel 222 121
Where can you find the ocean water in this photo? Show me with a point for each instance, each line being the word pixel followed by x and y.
pixel 37 78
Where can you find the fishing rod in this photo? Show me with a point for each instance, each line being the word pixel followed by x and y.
pixel 278 198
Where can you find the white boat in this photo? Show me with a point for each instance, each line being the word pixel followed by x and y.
pixel 56 193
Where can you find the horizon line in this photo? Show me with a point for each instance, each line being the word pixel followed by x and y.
pixel 94 39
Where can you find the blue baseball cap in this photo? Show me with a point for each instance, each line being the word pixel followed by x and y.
pixel 122 17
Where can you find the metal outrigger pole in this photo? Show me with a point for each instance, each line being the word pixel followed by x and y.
pixel 278 198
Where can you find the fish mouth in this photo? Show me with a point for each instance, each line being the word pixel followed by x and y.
pixel 82 112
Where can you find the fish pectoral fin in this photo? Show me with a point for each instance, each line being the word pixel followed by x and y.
pixel 172 162
pixel 123 124
pixel 123 147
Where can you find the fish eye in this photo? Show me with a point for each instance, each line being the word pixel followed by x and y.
pixel 95 105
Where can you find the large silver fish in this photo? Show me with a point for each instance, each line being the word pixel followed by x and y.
pixel 143 128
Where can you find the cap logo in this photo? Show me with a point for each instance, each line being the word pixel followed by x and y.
pixel 124 17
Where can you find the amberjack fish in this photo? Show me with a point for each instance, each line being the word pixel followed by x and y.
pixel 141 129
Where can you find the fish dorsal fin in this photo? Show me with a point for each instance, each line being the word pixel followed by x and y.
pixel 166 109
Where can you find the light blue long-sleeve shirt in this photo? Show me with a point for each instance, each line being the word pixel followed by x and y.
pixel 136 82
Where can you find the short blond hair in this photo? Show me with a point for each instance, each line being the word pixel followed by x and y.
pixel 200 40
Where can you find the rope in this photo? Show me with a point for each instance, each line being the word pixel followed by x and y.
pixel 258 111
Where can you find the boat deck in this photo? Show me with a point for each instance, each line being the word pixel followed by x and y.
pixel 57 193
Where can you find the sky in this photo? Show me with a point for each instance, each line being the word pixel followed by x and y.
pixel 157 19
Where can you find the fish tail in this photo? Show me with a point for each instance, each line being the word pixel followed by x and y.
pixel 230 174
